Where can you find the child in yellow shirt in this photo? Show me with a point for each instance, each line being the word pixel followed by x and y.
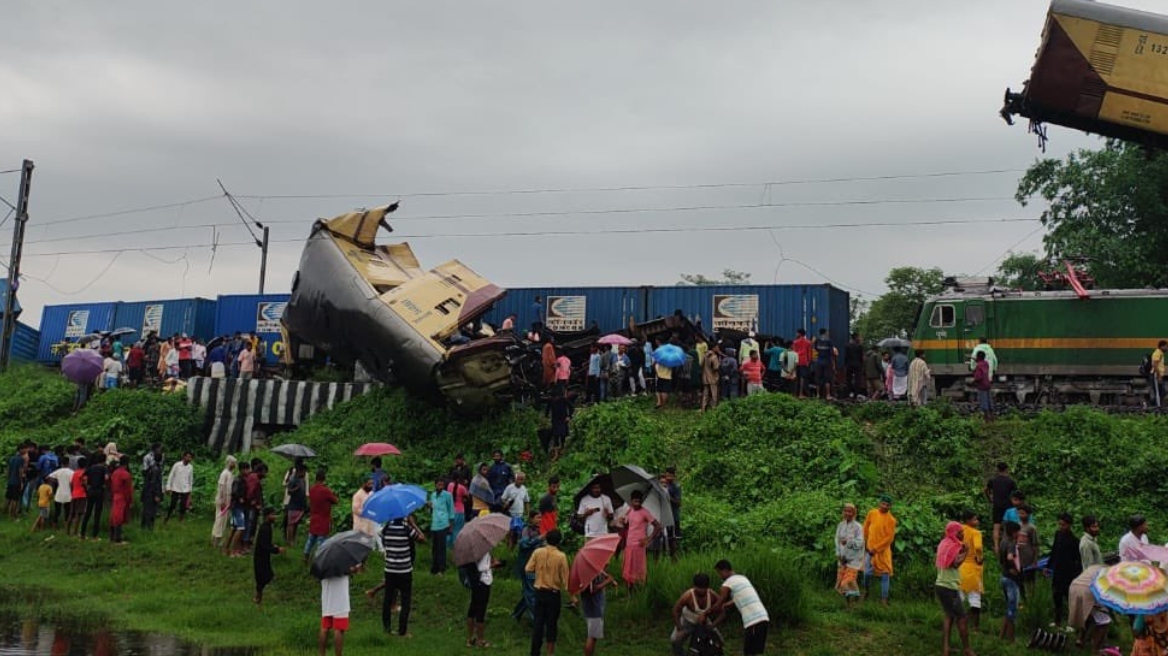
pixel 44 501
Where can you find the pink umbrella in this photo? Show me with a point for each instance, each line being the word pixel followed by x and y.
pixel 591 560
pixel 615 340
pixel 377 449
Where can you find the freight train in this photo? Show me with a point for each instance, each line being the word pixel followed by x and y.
pixel 1101 69
pixel 1053 347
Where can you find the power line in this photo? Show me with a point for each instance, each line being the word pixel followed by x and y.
pixel 691 208
pixel 134 210
pixel 565 190
pixel 564 233
pixel 132 232
pixel 9 171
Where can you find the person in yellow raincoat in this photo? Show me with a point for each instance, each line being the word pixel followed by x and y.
pixel 879 532
pixel 971 568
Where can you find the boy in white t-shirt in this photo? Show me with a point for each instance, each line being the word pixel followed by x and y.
pixel 334 611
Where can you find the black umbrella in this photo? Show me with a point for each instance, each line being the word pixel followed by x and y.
pixel 122 331
pixel 606 487
pixel 294 451
pixel 893 342
pixel 341 553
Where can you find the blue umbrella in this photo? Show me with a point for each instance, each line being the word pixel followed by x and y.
pixel 393 502
pixel 669 355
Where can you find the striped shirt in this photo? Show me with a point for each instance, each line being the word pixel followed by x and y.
pixel 398 540
pixel 745 598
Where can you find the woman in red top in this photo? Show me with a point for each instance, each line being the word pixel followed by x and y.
pixel 77 506
pixel 320 514
pixel 122 493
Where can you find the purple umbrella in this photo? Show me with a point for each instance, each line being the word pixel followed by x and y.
pixel 82 366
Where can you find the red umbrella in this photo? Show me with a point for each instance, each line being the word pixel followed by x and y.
pixel 591 560
pixel 377 449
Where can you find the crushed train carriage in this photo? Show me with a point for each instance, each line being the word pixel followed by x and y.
pixel 374 304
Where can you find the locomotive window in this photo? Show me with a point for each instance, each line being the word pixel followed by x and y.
pixel 943 317
pixel 974 315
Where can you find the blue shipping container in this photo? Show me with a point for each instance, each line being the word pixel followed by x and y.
pixel 573 308
pixel 25 342
pixel 59 322
pixel 258 313
pixel 192 316
pixel 768 309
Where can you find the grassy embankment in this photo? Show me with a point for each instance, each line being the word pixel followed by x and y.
pixel 763 480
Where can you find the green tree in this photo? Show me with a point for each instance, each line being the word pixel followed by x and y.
pixel 1020 271
pixel 729 277
pixel 1109 206
pixel 895 313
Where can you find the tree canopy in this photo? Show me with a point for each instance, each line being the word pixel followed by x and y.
pixel 1108 206
pixel 895 313
pixel 1020 271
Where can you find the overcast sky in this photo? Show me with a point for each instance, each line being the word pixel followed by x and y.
pixel 139 104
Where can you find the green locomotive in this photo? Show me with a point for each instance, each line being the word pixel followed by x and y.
pixel 1052 346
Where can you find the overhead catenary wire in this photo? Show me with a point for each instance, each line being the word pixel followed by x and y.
pixel 133 210
pixel 688 208
pixel 673 187
pixel 598 233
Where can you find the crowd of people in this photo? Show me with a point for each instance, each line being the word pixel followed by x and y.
pixel 70 487
pixel 864 552
pixel 721 369
pixel 154 359
pixel 534 537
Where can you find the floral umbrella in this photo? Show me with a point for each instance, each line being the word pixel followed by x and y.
pixel 1132 588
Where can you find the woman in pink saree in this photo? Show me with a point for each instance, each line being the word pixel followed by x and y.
pixel 638 520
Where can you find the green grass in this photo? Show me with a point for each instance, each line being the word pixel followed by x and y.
pixel 172 582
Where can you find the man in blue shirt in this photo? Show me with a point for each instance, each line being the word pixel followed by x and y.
pixel 537 315
pixel 774 359
pixel 500 475
pixel 46 464
pixel 441 513
pixel 16 465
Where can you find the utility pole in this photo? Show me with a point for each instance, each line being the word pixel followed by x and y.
pixel 9 326
pixel 263 257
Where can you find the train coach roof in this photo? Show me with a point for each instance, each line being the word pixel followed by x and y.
pixel 1112 15
pixel 1001 294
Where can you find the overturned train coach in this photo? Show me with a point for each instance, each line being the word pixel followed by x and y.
pixel 374 304
pixel 1101 69
pixel 1052 346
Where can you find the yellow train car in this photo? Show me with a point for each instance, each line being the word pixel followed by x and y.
pixel 1101 69
pixel 363 302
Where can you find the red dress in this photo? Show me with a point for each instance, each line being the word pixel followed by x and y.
pixel 122 490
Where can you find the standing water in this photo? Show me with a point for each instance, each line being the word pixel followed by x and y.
pixel 31 638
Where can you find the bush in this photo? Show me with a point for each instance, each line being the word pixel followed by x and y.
pixel 770 445
pixel 132 419
pixel 32 397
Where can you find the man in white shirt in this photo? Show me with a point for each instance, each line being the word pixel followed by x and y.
pixel 179 485
pixel 334 612
pixel 596 511
pixel 1136 537
pixel 64 495
pixel 738 590
pixel 515 500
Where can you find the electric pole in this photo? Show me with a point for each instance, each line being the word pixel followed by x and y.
pixel 9 326
pixel 263 257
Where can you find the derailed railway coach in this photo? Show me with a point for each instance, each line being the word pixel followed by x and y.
pixel 374 304
pixel 1052 347
pixel 1100 68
